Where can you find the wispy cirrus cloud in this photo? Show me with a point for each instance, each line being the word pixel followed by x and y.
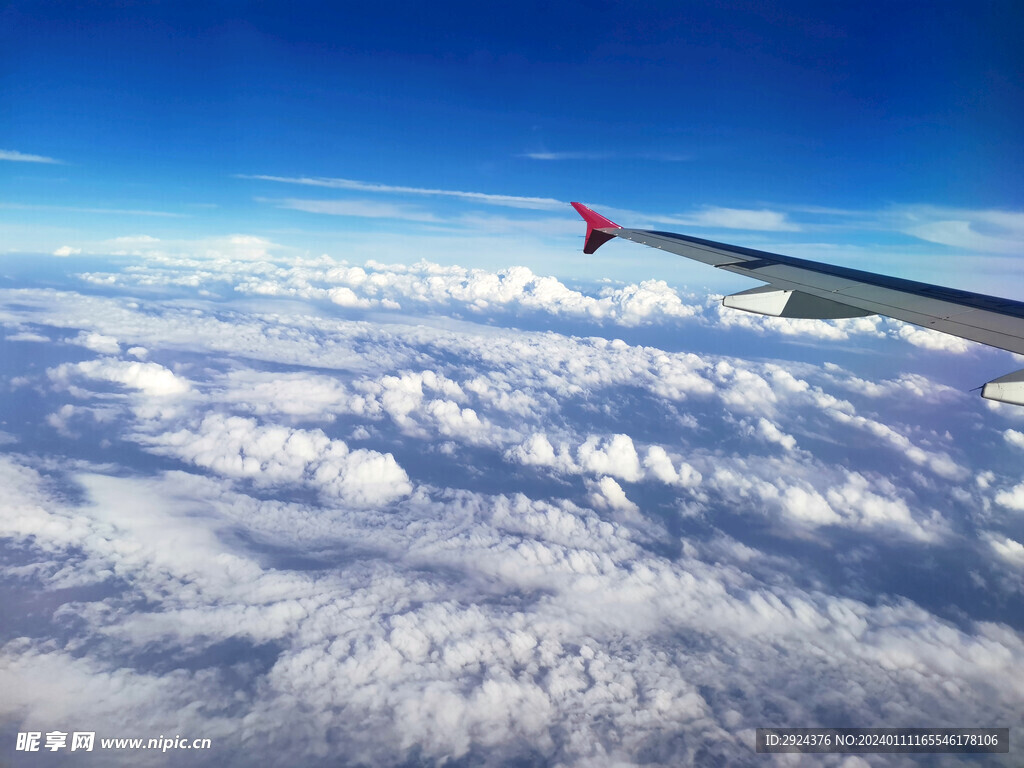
pixel 366 209
pixel 710 216
pixel 665 157
pixel 566 155
pixel 512 201
pixel 23 157
pixel 992 231
pixel 78 209
pixel 763 219
pixel 970 229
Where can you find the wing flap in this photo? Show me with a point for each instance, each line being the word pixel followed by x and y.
pixel 769 300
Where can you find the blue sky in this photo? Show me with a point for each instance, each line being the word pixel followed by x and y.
pixel 877 136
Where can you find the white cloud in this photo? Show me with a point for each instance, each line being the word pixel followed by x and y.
pixel 773 434
pixel 270 455
pixel 67 250
pixel 830 330
pixel 97 342
pixel 857 501
pixel 608 494
pixel 1013 437
pixel 808 495
pixel 932 340
pixel 60 420
pixel 27 336
pixel 538 451
pixel 22 157
pixel 1008 549
pixel 614 456
pixel 1012 498
pixel 293 394
pixel 912 384
pixel 939 462
pixel 660 466
pixel 149 378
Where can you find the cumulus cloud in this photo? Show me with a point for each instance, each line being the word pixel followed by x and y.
pixel 773 434
pixel 912 384
pixel 1013 437
pixel 67 250
pixel 830 330
pixel 660 465
pixel 1012 498
pixel 614 456
pixel 928 339
pixel 939 462
pixel 608 494
pixel 97 342
pixel 1008 549
pixel 150 378
pixel 804 499
pixel 269 455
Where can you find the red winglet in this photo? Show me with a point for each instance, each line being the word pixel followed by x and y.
pixel 595 224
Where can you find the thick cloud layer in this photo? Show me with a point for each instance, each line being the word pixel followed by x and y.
pixel 321 536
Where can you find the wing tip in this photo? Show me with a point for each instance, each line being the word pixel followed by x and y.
pixel 595 224
pixel 593 218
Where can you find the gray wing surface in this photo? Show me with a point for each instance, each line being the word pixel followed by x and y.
pixel 987 319
pixel 803 288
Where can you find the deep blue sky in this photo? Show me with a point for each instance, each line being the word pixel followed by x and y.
pixel 664 110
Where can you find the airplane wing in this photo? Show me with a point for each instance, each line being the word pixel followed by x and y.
pixel 810 289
